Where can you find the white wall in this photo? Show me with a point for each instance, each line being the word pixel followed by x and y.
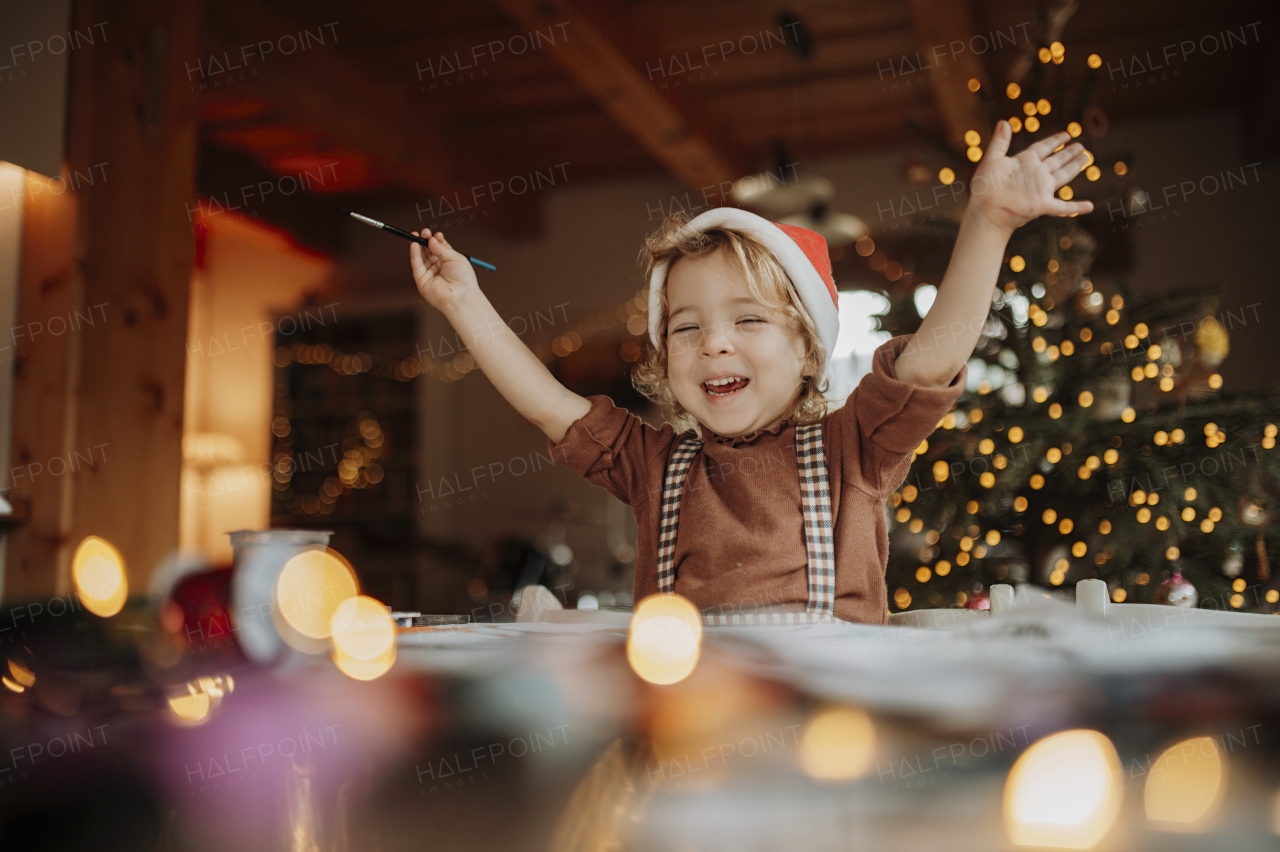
pixel 250 275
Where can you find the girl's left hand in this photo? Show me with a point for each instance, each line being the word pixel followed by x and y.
pixel 1010 191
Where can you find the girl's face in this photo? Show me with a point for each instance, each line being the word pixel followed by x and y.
pixel 734 363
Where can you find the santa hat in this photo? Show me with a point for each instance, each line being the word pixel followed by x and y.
pixel 802 253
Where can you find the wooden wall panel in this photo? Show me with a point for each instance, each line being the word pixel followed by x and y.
pixel 42 386
pixel 115 387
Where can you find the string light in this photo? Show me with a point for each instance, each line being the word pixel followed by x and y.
pixel 1163 366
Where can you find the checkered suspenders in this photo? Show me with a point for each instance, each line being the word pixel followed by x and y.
pixel 819 539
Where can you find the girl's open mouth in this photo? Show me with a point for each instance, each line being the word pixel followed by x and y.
pixel 725 387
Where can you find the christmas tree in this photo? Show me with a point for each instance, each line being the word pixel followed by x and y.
pixel 1095 439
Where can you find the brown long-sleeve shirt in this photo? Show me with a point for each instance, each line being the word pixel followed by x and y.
pixel 740 542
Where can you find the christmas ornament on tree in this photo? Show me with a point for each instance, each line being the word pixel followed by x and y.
pixel 1234 562
pixel 1252 514
pixel 1212 342
pixel 1176 591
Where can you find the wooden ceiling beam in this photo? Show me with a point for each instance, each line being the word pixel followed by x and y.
pixel 938 24
pixel 322 90
pixel 319 89
pixel 603 72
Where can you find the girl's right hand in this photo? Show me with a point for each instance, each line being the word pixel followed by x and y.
pixel 442 274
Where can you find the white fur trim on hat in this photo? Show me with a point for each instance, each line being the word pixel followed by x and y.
pixel 808 283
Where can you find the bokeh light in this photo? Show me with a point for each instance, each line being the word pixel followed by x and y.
pixel 190 705
pixel 362 629
pixel 1062 792
pixel 364 638
pixel 665 641
pixel 193 702
pixel 310 588
pixel 838 744
pixel 22 669
pixel 97 572
pixel 365 669
pixel 1185 785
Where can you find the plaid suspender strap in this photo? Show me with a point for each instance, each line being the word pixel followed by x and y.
pixel 819 535
pixel 815 501
pixel 672 490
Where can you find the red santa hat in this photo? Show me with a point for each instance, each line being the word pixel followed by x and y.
pixel 802 253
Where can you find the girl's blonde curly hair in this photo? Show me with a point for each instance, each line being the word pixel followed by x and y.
pixel 767 282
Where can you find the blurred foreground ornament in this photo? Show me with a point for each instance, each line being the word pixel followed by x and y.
pixel 981 600
pixel 1174 590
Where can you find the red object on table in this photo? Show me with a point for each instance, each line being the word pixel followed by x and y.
pixel 198 610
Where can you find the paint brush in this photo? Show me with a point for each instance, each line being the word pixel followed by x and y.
pixel 383 226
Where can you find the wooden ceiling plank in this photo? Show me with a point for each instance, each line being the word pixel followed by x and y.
pixel 602 71
pixel 320 89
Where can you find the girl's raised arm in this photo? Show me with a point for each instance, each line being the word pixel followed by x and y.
pixel 447 281
pixel 1007 192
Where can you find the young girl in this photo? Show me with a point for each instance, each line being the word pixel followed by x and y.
pixel 756 503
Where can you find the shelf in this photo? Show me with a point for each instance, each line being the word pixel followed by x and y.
pixel 19 514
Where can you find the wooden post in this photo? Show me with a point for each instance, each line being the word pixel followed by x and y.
pixel 98 406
